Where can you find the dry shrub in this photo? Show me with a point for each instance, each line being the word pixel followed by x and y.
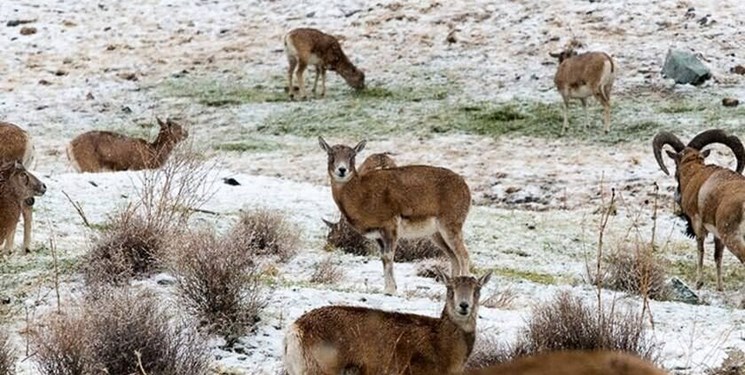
pixel 127 248
pixel 132 243
pixel 342 236
pixel 487 351
pixel 265 233
pixel 326 272
pixel 61 347
pixel 428 267
pixel 734 364
pixel 172 193
pixel 502 299
pixel 637 271
pixel 117 333
pixel 219 283
pixel 567 323
pixel 7 355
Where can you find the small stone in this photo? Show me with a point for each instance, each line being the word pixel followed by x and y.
pixel 44 82
pixel 28 30
pixel 738 69
pixel 14 23
pixel 451 37
pixel 730 102
pixel 166 282
pixel 129 76
pixel 231 181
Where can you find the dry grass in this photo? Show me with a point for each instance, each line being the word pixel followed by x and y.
pixel 344 237
pixel 487 351
pixel 326 272
pixel 265 233
pixel 132 243
pixel 170 195
pixel 734 364
pixel 428 267
pixel 7 355
pixel 219 283
pixel 61 347
pixel 128 247
pixel 119 332
pixel 567 323
pixel 502 299
pixel 636 270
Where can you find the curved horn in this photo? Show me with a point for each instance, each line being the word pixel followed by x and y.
pixel 328 223
pixel 720 136
pixel 661 139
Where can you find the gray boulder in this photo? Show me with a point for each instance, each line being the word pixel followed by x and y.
pixel 682 293
pixel 684 68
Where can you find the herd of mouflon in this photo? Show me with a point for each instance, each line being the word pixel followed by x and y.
pixel 387 202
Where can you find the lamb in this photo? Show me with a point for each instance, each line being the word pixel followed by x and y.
pixel 101 151
pixel 712 198
pixel 306 46
pixel 584 75
pixel 332 339
pixel 18 146
pixel 574 363
pixel 412 201
pixel 17 185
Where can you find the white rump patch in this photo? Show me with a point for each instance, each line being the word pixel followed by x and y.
pixel 71 157
pixel 313 59
pixel 293 352
pixel 417 229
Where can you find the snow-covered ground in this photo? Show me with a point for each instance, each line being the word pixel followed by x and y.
pixel 76 73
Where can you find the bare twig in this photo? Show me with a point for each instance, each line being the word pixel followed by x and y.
pixel 603 224
pixel 53 249
pixel 654 215
pixel 78 208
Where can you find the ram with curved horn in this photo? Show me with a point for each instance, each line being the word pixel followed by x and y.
pixel 712 198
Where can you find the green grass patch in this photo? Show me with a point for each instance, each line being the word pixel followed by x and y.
pixel 536 277
pixel 224 92
pixel 251 145
pixel 406 93
pixel 732 276
pixel 681 107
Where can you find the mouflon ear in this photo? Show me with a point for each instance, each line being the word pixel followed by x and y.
pixel 325 146
pixel 485 279
pixel 442 276
pixel 360 146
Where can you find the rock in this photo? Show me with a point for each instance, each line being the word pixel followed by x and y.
pixel 685 68
pixel 681 292
pixel 128 76
pixel 451 37
pixel 28 30
pixel 14 23
pixel 730 102
pixel 231 181
pixel 738 69
pixel 4 300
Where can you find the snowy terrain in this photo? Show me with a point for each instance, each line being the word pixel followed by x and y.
pixel 112 65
